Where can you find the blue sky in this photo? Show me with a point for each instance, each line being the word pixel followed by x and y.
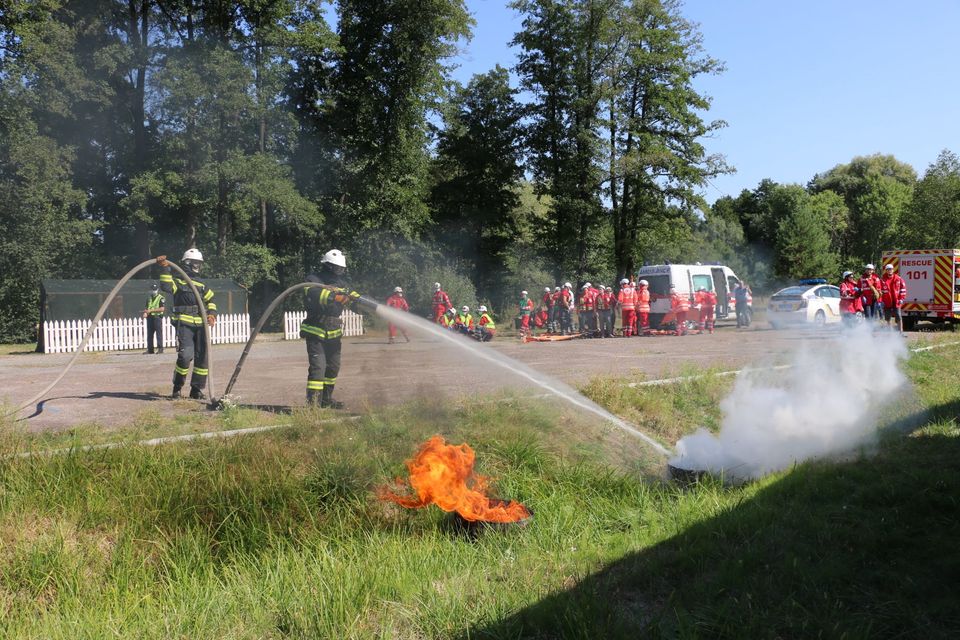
pixel 808 85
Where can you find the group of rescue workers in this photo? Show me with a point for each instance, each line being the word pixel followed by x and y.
pixel 872 297
pixel 595 309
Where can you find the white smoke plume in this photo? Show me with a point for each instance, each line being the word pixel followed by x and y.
pixel 826 404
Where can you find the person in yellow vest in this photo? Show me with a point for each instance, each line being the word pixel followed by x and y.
pixel 449 319
pixel 154 315
pixel 486 328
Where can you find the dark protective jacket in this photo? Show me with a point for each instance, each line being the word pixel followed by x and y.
pixel 324 306
pixel 186 309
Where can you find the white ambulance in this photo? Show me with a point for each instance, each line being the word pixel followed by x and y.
pixel 933 284
pixel 688 278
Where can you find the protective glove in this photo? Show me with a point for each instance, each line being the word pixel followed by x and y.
pixel 211 320
pixel 162 261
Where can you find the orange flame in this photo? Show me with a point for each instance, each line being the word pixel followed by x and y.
pixel 442 474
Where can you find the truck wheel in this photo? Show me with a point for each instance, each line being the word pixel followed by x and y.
pixel 909 324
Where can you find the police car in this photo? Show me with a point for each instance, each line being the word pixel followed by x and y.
pixel 811 301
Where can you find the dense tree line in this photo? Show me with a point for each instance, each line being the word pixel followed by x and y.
pixel 266 131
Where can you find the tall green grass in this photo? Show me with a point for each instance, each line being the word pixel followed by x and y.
pixel 279 535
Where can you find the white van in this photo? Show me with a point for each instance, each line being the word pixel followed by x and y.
pixel 688 278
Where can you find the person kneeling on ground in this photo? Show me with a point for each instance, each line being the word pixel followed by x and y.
pixel 449 319
pixel 486 328
pixel 464 323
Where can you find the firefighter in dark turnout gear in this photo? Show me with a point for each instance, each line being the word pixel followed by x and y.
pixel 188 318
pixel 323 328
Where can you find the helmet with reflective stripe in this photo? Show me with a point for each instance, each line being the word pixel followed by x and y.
pixel 192 254
pixel 334 257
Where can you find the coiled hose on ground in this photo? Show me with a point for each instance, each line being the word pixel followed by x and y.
pixel 96 320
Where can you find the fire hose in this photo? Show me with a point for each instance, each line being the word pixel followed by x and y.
pixel 96 320
pixel 363 302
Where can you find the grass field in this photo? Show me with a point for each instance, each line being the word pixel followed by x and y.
pixel 279 535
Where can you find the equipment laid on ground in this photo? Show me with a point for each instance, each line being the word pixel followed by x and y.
pixel 932 278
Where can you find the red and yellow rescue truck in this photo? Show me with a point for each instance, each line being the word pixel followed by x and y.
pixel 932 277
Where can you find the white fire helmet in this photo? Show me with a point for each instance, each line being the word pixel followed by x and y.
pixel 192 254
pixel 546 289
pixel 452 311
pixel 609 288
pixel 568 285
pixel 523 293
pixel 889 267
pixel 482 309
pixel 555 289
pixel 624 281
pixel 643 283
pixel 398 289
pixel 847 274
pixel 436 286
pixel 465 309
pixel 334 257
pixel 870 267
pixel 587 285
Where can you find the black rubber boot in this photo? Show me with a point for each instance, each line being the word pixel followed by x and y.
pixel 328 402
pixel 313 398
pixel 196 393
pixel 176 394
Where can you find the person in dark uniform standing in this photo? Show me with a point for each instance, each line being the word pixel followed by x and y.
pixel 154 315
pixel 323 328
pixel 188 318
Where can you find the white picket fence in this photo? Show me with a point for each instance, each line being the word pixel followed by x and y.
pixel 352 324
pixel 117 334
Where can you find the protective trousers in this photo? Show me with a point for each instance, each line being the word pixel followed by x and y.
pixel 643 321
pixel 605 321
pixel 154 329
pixel 681 322
pixel 563 318
pixel 706 319
pixel 191 347
pixel 324 357
pixel 629 317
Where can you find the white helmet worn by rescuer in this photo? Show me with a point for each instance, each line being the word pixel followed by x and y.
pixel 555 289
pixel 889 267
pixel 644 283
pixel 523 293
pixel 586 286
pixel 398 290
pixel 546 289
pixel 847 274
pixel 465 309
pixel 482 309
pixel 624 281
pixel 568 285
pixel 436 286
pixel 334 257
pixel 870 267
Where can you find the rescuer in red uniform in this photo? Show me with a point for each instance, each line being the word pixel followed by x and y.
pixel 893 293
pixel 851 301
pixel 441 302
pixel 707 301
pixel 627 298
pixel 643 307
pixel 397 301
pixel 870 291
pixel 680 304
pixel 526 311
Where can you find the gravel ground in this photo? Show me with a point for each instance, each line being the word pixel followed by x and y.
pixel 113 389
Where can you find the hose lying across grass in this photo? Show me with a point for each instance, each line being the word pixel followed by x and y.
pixel 99 316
